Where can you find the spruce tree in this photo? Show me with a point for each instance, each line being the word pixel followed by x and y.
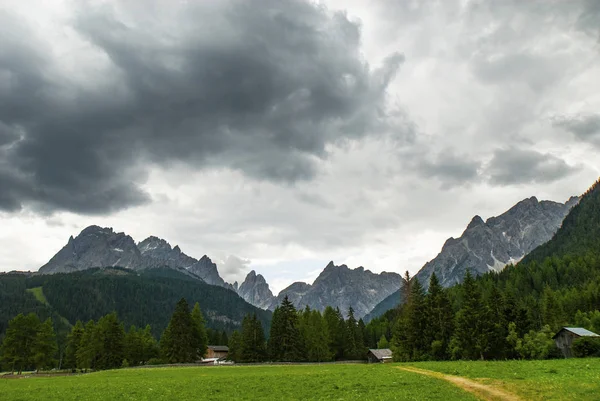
pixel 474 323
pixel 253 346
pixel 44 347
pixel 18 345
pixel 440 318
pixel 73 342
pixel 200 331
pixel 111 338
pixel 235 347
pixel 285 340
pixel 89 347
pixel 178 344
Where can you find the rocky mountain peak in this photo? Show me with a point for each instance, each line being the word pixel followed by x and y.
pixel 476 221
pixel 342 287
pixel 256 291
pixel 95 247
pixel 501 240
pixel 153 243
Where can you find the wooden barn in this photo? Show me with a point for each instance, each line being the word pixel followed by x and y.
pixel 565 337
pixel 217 351
pixel 379 355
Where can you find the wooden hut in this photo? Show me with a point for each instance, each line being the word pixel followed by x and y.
pixel 379 355
pixel 217 351
pixel 565 337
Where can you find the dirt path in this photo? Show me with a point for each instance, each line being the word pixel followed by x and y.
pixel 485 392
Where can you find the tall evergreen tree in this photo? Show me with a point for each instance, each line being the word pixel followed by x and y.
pixel 315 336
pixel 235 347
pixel 285 340
pixel 474 323
pixel 111 338
pixel 73 342
pixel 200 331
pixel 89 347
pixel 18 345
pixel 45 347
pixel 440 318
pixel 178 344
pixel 253 346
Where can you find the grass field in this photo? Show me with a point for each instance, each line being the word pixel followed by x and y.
pixel 561 379
pixel 575 379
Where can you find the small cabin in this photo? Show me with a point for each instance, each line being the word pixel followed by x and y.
pixel 379 355
pixel 565 337
pixel 217 351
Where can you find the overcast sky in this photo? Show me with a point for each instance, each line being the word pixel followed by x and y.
pixel 278 135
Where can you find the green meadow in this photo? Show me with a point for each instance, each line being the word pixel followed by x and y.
pixel 575 379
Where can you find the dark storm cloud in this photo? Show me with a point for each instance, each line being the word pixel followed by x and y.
pixel 515 166
pixel 586 127
pixel 262 87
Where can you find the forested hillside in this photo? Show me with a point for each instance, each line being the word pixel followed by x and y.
pixel 139 298
pixel 508 314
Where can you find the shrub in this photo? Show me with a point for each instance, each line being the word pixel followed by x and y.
pixel 586 346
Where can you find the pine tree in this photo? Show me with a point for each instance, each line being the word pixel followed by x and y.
pixel 440 318
pixel 383 343
pixel 315 336
pixel 18 344
pixel 353 345
pixel 111 338
pixel 178 344
pixel 89 347
pixel 134 346
pixel 474 323
pixel 199 331
pixel 73 342
pixel 149 344
pixel 253 346
pixel 235 347
pixel 44 348
pixel 285 340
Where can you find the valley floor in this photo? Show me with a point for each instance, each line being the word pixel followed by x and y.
pixel 575 379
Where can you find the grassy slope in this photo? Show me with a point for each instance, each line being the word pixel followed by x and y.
pixel 316 382
pixel 563 379
pixel 39 295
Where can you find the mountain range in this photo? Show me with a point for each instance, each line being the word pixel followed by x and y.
pixel 483 246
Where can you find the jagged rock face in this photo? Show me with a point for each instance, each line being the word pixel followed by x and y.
pixel 94 247
pixel 294 292
pixel 255 291
pixel 493 244
pixel 207 271
pixel 339 286
pixel 158 253
pixel 101 247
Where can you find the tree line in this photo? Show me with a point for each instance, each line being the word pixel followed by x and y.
pixel 300 336
pixel 105 344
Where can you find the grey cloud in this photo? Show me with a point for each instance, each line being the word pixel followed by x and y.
pixel 516 166
pixel 233 267
pixel 261 87
pixel 450 169
pixel 586 127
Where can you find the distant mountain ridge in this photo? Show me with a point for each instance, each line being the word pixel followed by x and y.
pixel 491 245
pixel 102 247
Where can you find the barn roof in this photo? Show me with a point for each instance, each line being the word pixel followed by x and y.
pixel 579 331
pixel 381 353
pixel 219 348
